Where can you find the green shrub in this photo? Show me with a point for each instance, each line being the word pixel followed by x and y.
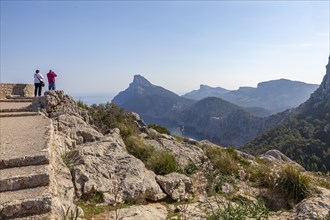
pixel 223 161
pixel 191 168
pixel 293 184
pixel 159 129
pixel 162 163
pixel 261 175
pixel 138 149
pixel 241 210
pixel 81 104
pixel 109 116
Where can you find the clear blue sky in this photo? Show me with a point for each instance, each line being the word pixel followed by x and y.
pixel 97 46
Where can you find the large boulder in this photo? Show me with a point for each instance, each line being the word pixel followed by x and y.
pixel 76 128
pixel 105 166
pixel 277 157
pixel 184 152
pixel 314 207
pixel 177 186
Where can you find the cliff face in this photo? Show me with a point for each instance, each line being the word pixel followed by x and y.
pixel 145 165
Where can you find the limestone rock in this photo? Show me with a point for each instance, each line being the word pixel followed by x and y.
pixel 177 186
pixel 276 157
pixel 145 212
pixel 314 207
pixel 77 129
pixel 106 167
pixel 184 153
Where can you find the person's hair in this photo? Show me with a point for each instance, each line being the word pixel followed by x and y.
pixel 37 71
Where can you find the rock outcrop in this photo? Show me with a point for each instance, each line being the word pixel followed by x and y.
pixel 314 207
pixel 177 186
pixel 91 164
pixel 276 157
pixel 106 167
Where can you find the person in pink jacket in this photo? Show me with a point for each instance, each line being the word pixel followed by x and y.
pixel 51 80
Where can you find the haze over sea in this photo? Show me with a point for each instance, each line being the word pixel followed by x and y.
pixel 94 98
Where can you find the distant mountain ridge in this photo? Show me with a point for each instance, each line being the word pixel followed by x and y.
pixel 205 91
pixel 273 95
pixel 210 118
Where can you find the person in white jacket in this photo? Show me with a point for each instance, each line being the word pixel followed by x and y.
pixel 38 82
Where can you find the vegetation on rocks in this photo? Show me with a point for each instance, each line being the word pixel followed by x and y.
pixel 159 129
pixel 241 210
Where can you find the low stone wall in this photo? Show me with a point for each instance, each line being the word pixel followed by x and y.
pixel 7 89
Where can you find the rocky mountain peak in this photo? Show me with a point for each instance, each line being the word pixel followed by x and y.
pixel 140 81
pixel 202 86
pixel 322 94
pixel 325 85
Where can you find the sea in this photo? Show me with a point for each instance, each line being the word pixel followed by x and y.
pixel 94 98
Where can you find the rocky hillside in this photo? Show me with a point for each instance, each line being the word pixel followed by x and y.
pixel 305 135
pixel 225 123
pixel 113 169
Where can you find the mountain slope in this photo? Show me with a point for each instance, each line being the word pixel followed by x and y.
pixel 305 136
pixel 205 91
pixel 225 123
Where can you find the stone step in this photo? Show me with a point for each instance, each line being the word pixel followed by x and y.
pixel 27 202
pixel 17 114
pixel 46 216
pixel 16 100
pixel 27 109
pixel 24 177
pixel 25 161
pixel 6 106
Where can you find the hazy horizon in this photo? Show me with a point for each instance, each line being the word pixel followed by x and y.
pixel 98 46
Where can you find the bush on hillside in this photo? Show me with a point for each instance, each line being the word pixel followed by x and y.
pixel 109 116
pixel 162 163
pixel 293 184
pixel 224 161
pixel 159 129
pixel 138 149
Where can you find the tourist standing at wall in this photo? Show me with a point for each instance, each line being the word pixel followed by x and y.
pixel 38 83
pixel 51 80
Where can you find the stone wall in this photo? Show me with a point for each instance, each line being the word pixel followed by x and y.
pixel 7 89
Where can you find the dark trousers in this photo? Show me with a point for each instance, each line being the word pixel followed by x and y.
pixel 37 89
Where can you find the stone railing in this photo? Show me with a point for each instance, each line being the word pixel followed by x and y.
pixel 24 90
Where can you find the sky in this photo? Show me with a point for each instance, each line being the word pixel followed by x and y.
pixel 98 46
